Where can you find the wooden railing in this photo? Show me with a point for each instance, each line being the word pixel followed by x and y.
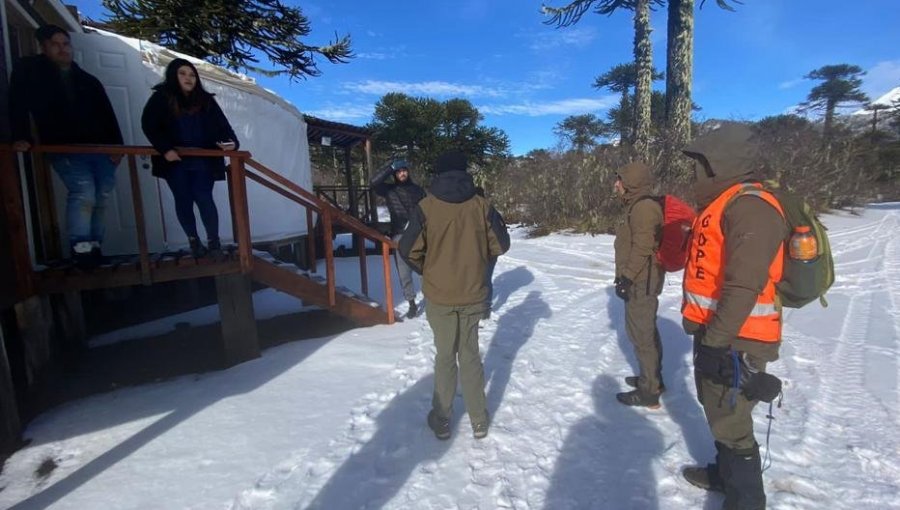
pixel 342 197
pixel 10 192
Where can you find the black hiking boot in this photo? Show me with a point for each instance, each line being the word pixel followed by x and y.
pixel 632 380
pixel 440 426
pixel 638 398
pixel 197 248
pixel 214 250
pixel 706 478
pixel 413 309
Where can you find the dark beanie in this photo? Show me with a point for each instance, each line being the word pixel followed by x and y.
pixel 45 32
pixel 451 161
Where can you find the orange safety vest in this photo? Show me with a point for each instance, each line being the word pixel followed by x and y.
pixel 705 271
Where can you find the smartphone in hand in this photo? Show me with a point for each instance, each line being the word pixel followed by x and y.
pixel 226 145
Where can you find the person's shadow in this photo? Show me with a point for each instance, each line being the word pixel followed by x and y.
pixel 508 282
pixel 679 400
pixel 371 476
pixel 606 460
pixel 514 328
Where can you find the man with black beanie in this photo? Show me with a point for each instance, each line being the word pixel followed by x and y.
pixel 451 235
pixel 401 196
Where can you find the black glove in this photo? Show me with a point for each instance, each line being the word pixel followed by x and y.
pixel 622 286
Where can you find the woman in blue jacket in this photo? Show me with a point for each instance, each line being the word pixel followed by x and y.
pixel 181 113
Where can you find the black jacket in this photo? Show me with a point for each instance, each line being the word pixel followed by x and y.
pixel 36 87
pixel 401 197
pixel 160 127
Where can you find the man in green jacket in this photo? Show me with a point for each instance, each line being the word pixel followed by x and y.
pixel 639 280
pixel 451 235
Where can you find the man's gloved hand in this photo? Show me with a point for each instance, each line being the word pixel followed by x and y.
pixel 622 286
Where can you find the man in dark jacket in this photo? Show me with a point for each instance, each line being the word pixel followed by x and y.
pixel 401 196
pixel 452 234
pixel 639 280
pixel 69 106
pixel 730 307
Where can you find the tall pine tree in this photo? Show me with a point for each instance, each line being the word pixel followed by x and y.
pixel 238 34
pixel 840 84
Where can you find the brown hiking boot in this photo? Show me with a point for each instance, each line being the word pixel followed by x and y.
pixel 638 398
pixel 632 380
pixel 440 426
pixel 706 478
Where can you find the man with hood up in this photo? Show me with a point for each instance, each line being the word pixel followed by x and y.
pixel 401 197
pixel 639 280
pixel 451 235
pixel 730 307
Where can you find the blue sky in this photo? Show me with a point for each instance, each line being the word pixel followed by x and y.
pixel 525 76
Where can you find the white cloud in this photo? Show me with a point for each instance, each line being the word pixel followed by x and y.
pixel 573 106
pixel 881 78
pixel 346 112
pixel 579 37
pixel 426 88
pixel 789 84
pixel 373 55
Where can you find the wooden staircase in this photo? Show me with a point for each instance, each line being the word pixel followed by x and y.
pixel 313 289
pixel 146 268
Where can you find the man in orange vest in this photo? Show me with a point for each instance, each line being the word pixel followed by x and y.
pixel 735 259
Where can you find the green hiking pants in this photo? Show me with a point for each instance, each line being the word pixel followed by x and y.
pixel 456 341
pixel 729 414
pixel 640 323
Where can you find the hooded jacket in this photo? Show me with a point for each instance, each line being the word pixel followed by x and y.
pixel 753 234
pixel 401 197
pixel 638 234
pixel 452 233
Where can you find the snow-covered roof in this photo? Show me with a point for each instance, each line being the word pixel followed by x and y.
pixel 156 55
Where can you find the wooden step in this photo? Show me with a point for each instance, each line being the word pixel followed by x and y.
pixel 313 289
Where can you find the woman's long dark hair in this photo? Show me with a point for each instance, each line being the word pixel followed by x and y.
pixel 179 103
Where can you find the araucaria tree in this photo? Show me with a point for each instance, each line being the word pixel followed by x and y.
pixel 420 128
pixel 231 33
pixel 580 131
pixel 840 84
pixel 643 56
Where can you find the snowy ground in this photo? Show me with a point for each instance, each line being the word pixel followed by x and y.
pixel 339 422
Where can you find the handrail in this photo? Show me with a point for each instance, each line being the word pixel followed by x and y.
pixel 237 190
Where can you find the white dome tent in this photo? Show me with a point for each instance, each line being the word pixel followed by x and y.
pixel 269 127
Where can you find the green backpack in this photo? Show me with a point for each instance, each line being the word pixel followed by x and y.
pixel 801 282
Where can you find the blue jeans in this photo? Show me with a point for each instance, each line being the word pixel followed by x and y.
pixel 90 179
pixel 188 187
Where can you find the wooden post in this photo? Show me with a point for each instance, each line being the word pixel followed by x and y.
pixel 310 240
pixel 329 255
pixel 363 266
pixel 140 223
pixel 241 216
pixel 240 341
pixel 34 320
pixel 388 288
pixel 10 427
pixel 351 194
pixel 15 224
pixel 373 206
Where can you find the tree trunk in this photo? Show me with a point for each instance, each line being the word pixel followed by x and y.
pixel 830 105
pixel 643 60
pixel 679 76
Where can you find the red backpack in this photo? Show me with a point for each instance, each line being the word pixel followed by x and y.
pixel 678 217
